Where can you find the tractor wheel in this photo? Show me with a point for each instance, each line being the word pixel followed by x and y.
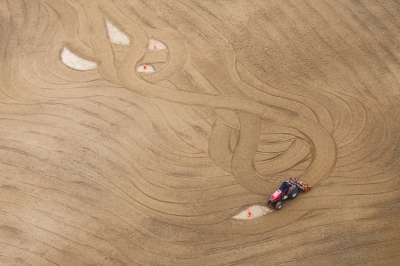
pixel 294 193
pixel 278 205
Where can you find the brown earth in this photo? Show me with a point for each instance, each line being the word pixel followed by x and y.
pixel 109 167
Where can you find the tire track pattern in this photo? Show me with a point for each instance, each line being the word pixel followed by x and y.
pixel 110 167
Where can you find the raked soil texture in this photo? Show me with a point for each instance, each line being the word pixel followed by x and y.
pixel 153 132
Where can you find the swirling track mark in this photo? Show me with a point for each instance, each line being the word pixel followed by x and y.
pixel 187 96
pixel 100 44
pixel 295 154
pixel 242 160
pixel 219 146
pixel 379 144
pixel 155 57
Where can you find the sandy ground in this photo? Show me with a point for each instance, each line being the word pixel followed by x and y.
pixel 111 166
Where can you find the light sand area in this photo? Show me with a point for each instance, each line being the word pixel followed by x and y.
pixel 252 212
pixel 103 162
pixel 75 62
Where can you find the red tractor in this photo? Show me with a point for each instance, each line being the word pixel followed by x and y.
pixel 288 190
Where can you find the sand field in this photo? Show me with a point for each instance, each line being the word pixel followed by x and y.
pixel 144 132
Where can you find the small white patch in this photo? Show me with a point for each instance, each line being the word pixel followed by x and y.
pixel 75 62
pixel 145 69
pixel 155 45
pixel 117 36
pixel 252 212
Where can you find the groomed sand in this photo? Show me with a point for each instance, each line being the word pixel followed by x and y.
pixel 102 164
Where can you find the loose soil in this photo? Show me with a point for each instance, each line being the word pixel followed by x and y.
pixel 111 166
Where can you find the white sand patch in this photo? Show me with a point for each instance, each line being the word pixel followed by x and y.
pixel 75 62
pixel 252 212
pixel 155 45
pixel 145 69
pixel 117 36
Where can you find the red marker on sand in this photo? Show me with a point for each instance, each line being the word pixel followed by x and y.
pixel 249 213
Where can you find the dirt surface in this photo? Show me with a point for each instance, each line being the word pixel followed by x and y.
pixel 114 167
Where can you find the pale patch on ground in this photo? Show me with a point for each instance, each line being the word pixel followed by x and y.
pixel 156 45
pixel 252 212
pixel 75 62
pixel 145 69
pixel 117 36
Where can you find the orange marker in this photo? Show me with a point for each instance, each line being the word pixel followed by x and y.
pixel 249 213
pixel 144 67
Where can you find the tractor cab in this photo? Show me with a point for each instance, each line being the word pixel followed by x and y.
pixel 285 186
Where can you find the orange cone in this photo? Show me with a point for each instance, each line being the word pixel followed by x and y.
pixel 155 47
pixel 144 67
pixel 249 213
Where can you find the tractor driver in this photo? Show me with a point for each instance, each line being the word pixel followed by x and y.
pixel 285 187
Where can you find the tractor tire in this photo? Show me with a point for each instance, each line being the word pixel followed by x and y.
pixel 294 193
pixel 278 205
